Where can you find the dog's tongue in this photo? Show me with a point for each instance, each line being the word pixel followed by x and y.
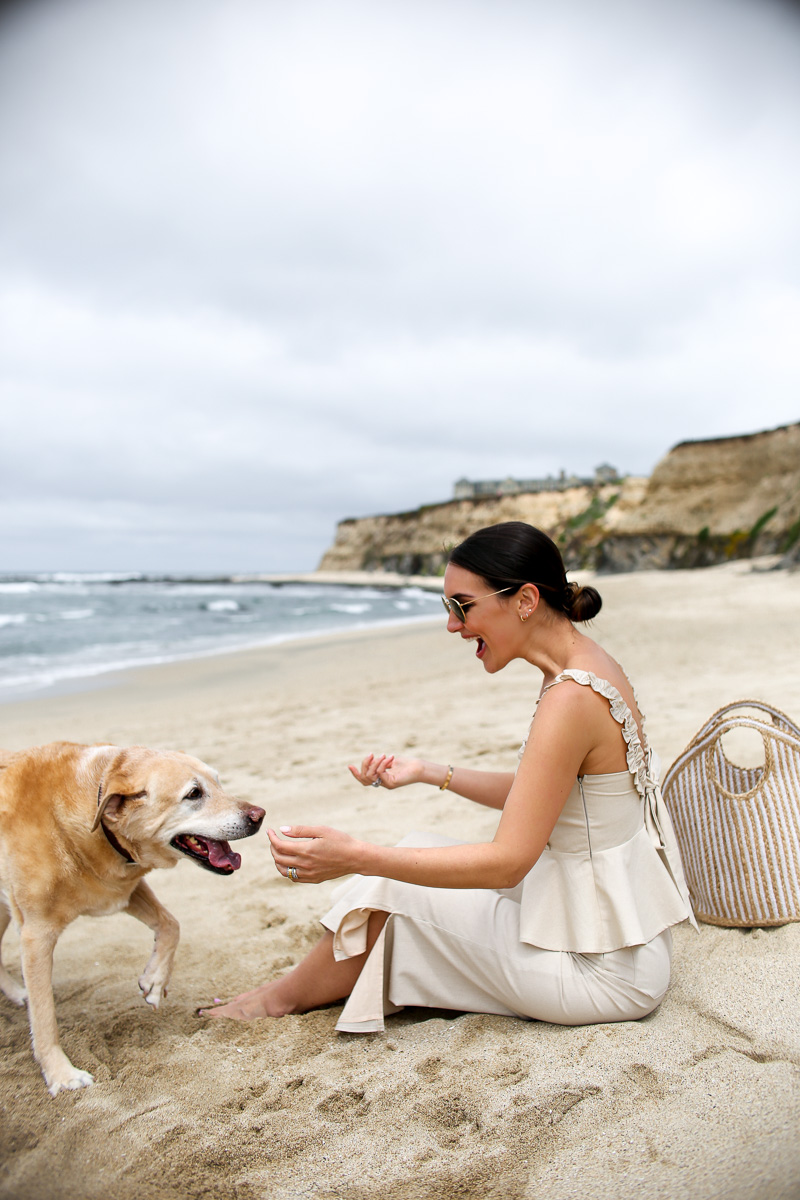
pixel 221 856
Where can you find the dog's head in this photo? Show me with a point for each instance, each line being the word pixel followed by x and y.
pixel 163 804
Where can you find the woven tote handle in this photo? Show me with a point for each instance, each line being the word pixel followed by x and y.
pixel 766 771
pixel 778 718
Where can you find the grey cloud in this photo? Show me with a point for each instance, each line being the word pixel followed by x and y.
pixel 317 260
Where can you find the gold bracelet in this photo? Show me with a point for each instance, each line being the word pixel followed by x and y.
pixel 446 783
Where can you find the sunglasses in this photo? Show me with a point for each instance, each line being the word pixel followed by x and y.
pixel 459 610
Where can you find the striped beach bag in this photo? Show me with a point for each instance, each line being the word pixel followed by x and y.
pixel 738 828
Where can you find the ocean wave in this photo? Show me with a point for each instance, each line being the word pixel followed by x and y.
pixel 18 587
pixel 52 636
pixel 44 674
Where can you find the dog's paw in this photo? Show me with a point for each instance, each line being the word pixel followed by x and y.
pixel 153 990
pixel 14 991
pixel 61 1076
pixel 77 1079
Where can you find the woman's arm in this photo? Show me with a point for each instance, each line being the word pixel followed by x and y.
pixel 489 788
pixel 563 733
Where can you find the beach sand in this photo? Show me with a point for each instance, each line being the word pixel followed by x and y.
pixel 700 1100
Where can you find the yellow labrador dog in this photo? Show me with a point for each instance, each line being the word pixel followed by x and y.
pixel 80 827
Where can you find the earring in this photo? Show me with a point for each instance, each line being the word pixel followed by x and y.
pixel 524 619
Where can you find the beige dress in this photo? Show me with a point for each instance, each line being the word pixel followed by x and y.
pixel 584 938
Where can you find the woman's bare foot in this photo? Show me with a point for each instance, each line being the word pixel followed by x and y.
pixel 264 1001
pixel 318 980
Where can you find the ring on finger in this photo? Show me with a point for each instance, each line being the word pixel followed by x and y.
pixel 292 873
pixel 376 783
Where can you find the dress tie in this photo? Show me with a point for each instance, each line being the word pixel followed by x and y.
pixel 658 824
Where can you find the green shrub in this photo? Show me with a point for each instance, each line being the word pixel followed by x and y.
pixel 792 534
pixel 761 522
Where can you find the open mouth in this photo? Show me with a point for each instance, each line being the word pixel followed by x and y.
pixel 213 855
pixel 480 649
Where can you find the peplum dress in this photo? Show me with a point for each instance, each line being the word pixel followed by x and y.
pixel 584 938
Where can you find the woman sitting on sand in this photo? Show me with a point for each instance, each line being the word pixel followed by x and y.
pixel 565 916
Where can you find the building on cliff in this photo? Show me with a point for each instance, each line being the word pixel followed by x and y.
pixel 706 502
pixel 468 489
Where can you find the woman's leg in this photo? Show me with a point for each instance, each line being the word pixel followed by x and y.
pixel 319 979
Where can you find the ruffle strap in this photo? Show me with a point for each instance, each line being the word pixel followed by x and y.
pixel 636 754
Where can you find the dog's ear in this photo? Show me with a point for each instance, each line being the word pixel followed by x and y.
pixel 117 786
pixel 109 806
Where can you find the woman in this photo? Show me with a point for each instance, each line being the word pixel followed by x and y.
pixel 565 916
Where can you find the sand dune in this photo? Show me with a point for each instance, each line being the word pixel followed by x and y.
pixel 700 1100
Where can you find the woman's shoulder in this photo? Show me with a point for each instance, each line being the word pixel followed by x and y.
pixel 599 674
pixel 602 679
pixel 576 690
pixel 587 675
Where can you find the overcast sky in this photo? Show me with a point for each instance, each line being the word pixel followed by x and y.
pixel 265 264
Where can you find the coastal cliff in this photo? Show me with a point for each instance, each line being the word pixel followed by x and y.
pixel 706 502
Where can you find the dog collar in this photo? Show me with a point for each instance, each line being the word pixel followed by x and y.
pixel 112 841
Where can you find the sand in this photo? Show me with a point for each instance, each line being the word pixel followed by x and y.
pixel 700 1100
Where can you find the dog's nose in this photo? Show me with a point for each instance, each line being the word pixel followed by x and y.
pixel 255 815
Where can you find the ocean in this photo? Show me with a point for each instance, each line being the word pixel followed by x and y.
pixel 59 629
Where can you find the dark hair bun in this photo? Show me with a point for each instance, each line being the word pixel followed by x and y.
pixel 581 603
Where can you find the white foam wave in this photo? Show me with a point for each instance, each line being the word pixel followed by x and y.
pixel 91 577
pixel 18 587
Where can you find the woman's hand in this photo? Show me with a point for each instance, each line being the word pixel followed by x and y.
pixel 388 770
pixel 314 852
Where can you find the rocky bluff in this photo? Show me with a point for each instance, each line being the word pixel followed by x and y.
pixel 706 502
